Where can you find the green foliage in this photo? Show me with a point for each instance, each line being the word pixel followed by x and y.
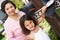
pixel 58 12
pixel 1 26
pixel 53 35
pixel 18 3
pixel 47 28
pixel 1 36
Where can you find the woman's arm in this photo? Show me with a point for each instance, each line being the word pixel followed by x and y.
pixel 4 33
pixel 9 33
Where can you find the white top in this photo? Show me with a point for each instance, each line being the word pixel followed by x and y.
pixel 49 2
pixel 41 35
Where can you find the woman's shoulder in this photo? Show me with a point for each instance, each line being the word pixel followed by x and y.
pixel 21 13
pixel 7 22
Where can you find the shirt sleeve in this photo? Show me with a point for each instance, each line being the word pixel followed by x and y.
pixel 49 3
pixel 9 33
pixel 21 13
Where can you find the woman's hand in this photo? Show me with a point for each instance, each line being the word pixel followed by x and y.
pixel 4 33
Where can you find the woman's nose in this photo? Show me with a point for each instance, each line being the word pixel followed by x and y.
pixel 10 9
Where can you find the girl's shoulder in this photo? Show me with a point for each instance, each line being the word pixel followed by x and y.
pixel 40 27
pixel 30 36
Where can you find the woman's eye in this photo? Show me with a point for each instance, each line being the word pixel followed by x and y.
pixel 30 22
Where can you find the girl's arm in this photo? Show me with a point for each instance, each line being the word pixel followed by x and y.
pixel 43 10
pixel 41 18
pixel 9 33
pixel 49 3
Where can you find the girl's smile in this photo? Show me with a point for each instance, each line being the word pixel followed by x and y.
pixel 29 25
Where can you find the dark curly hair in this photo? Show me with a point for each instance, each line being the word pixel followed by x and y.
pixel 4 3
pixel 23 19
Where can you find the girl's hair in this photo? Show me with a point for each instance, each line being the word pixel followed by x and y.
pixel 4 3
pixel 22 20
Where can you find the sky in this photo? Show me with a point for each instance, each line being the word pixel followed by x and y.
pixel 1 2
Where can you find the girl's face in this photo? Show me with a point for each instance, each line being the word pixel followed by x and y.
pixel 29 25
pixel 9 9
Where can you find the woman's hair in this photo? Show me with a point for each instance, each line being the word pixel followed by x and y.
pixel 4 3
pixel 22 20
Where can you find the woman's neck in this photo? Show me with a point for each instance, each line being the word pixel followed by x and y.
pixel 15 17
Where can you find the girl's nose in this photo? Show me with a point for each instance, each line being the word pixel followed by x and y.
pixel 10 9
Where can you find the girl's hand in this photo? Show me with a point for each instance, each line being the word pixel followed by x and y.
pixel 43 9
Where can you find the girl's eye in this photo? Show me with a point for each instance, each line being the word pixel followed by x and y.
pixel 10 6
pixel 26 25
pixel 7 9
pixel 30 22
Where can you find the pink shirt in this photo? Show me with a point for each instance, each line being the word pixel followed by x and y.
pixel 13 29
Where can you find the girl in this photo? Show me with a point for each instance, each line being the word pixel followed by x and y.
pixel 31 29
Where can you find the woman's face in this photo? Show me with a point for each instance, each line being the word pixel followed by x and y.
pixel 29 25
pixel 9 9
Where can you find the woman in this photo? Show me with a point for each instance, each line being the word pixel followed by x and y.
pixel 11 25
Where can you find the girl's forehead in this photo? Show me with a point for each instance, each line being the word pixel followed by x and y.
pixel 28 20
